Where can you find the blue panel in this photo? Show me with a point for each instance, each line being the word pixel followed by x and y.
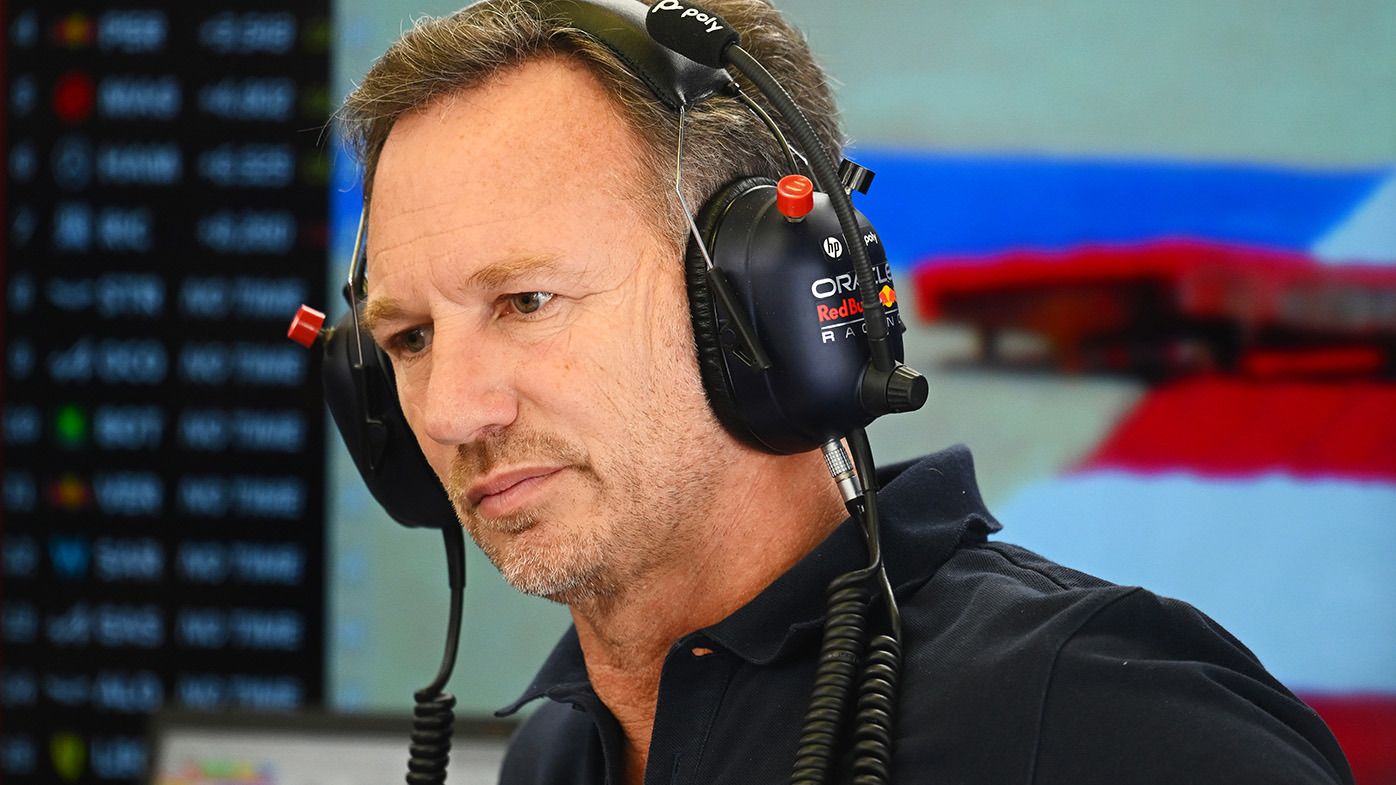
pixel 346 197
pixel 927 204
pixel 930 204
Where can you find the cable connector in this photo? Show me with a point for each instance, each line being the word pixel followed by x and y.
pixel 841 469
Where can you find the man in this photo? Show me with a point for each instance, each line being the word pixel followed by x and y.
pixel 524 277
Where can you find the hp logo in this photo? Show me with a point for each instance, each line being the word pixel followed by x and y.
pixel 832 247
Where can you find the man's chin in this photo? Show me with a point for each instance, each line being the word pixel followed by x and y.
pixel 558 580
pixel 501 538
pixel 535 557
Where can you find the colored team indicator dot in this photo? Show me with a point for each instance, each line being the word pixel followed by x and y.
pixel 68 753
pixel 315 168
pixel 70 425
pixel 314 235
pixel 73 97
pixel 314 101
pixel 315 35
pixel 69 493
pixel 73 31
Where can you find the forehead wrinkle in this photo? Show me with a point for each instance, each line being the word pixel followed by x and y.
pixel 381 259
pixel 444 205
pixel 422 235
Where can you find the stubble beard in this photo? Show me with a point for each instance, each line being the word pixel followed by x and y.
pixel 651 494
pixel 579 560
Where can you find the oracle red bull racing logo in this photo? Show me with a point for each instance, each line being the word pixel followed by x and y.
pixel 851 306
pixel 845 319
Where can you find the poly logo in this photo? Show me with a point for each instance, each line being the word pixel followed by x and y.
pixel 832 247
pixel 888 295
pixel 708 21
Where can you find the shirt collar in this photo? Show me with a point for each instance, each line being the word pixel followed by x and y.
pixel 563 676
pixel 926 508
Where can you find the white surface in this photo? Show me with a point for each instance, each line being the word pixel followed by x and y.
pixel 1366 236
pixel 310 758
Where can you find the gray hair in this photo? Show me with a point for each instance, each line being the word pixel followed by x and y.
pixel 723 140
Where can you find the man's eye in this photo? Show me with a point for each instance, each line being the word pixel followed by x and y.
pixel 412 341
pixel 528 302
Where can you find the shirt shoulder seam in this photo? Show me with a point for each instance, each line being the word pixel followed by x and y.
pixel 1052 672
pixel 994 548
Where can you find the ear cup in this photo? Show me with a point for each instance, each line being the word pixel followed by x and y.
pixel 363 401
pixel 703 310
pixel 793 284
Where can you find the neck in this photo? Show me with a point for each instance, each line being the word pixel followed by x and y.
pixel 785 507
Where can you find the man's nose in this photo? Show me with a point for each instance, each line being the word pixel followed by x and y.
pixel 470 389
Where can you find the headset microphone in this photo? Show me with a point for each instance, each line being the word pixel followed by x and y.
pixel 700 35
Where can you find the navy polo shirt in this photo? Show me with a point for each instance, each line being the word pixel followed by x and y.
pixel 1015 670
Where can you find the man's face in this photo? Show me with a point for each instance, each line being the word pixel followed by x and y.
pixel 539 333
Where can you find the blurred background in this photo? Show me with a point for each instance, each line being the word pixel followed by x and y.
pixel 1150 248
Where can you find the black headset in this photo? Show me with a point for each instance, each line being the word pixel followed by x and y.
pixel 781 318
pixel 799 346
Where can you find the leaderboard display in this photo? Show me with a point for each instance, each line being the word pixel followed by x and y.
pixel 165 209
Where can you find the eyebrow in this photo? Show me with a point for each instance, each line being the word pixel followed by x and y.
pixel 494 276
pixel 379 310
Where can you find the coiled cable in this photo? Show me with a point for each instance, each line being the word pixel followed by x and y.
pixel 875 726
pixel 877 708
pixel 844 647
pixel 432 717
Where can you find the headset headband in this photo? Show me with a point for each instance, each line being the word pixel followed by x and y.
pixel 619 25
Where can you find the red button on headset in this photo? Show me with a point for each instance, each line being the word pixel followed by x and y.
pixel 794 197
pixel 305 328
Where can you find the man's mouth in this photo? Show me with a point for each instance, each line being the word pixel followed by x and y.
pixel 503 492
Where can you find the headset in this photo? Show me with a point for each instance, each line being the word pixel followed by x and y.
pixel 799 347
